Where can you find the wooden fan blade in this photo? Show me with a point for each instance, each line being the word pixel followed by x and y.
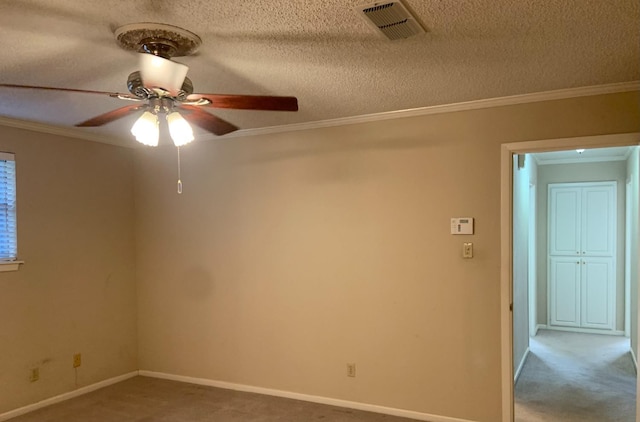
pixel 207 121
pixel 49 88
pixel 248 102
pixel 110 116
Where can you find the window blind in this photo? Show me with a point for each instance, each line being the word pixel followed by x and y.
pixel 8 226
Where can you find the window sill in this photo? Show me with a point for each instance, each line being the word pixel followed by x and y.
pixel 10 265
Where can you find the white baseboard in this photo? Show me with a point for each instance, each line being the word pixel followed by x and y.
pixel 581 330
pixel 304 397
pixel 635 360
pixel 522 361
pixel 65 396
pixel 538 328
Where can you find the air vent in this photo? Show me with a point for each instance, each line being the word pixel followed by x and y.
pixel 392 19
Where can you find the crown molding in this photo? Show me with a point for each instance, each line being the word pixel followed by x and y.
pixel 68 132
pixel 559 94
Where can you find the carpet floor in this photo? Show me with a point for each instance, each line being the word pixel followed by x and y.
pixel 571 377
pixel 143 399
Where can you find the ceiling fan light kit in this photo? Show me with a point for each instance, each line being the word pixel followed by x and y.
pixel 147 129
pixel 179 129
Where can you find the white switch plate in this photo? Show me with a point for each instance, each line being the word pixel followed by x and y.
pixel 462 225
pixel 467 250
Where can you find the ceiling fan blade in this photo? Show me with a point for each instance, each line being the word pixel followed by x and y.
pixel 248 102
pixel 208 121
pixel 49 88
pixel 110 116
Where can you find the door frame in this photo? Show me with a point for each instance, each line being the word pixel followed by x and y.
pixel 532 282
pixel 506 241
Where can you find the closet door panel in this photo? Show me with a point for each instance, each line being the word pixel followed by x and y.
pixel 564 219
pixel 598 231
pixel 598 291
pixel 565 292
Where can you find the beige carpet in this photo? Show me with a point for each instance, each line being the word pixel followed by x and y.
pixel 574 377
pixel 143 399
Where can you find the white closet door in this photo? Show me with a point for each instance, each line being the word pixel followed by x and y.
pixel 565 298
pixel 582 229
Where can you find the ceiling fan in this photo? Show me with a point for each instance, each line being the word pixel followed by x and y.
pixel 161 87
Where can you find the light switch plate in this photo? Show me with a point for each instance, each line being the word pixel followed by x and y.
pixel 467 250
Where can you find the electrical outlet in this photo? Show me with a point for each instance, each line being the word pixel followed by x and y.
pixel 351 369
pixel 35 374
pixel 77 360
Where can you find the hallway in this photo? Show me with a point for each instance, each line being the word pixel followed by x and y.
pixel 571 377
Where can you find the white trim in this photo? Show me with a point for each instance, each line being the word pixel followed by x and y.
pixel 582 330
pixel 68 132
pixel 627 256
pixel 562 144
pixel 532 276
pixel 604 158
pixel 506 281
pixel 304 397
pixel 10 265
pixel 559 94
pixel 65 396
pixel 633 358
pixel 506 211
pixel 538 328
pixel 521 365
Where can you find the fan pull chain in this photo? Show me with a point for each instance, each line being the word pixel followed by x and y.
pixel 179 181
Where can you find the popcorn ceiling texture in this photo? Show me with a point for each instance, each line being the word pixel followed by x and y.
pixel 322 52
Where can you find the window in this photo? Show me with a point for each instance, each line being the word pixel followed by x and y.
pixel 8 227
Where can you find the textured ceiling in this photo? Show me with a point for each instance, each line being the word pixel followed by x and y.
pixel 322 52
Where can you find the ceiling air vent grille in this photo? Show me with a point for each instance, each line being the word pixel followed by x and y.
pixel 392 19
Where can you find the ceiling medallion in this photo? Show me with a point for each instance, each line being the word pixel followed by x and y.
pixel 157 38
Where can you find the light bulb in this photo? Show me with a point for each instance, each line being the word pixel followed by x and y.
pixel 179 129
pixel 580 150
pixel 146 129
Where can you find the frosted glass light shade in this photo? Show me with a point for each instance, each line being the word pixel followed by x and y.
pixel 179 129
pixel 158 72
pixel 146 129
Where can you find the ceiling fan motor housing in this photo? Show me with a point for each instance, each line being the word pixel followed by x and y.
pixel 159 47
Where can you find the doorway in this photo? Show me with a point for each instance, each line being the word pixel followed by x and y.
pixel 509 255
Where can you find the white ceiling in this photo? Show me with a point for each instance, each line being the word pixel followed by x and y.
pixel 322 52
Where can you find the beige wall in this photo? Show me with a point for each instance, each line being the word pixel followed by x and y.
pixel 76 291
pixel 588 172
pixel 290 255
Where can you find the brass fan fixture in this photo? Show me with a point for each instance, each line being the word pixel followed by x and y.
pixel 162 87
